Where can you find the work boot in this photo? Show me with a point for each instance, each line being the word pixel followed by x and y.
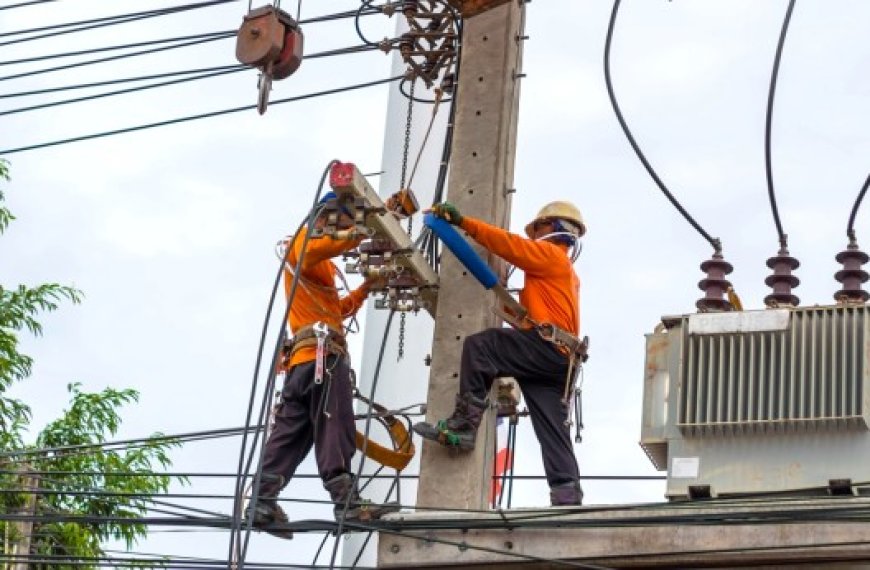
pixel 342 490
pixel 566 494
pixel 265 511
pixel 460 429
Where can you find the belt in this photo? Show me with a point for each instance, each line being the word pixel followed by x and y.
pixel 306 337
pixel 576 348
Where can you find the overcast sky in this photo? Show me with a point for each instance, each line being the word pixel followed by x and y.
pixel 170 232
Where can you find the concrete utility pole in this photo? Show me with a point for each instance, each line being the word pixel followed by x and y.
pixel 481 180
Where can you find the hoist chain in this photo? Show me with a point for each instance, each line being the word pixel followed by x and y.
pixel 405 151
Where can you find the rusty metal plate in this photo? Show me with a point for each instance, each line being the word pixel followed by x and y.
pixel 470 8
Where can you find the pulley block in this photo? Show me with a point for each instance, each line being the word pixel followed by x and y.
pixel 270 40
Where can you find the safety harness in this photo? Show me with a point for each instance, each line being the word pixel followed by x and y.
pixel 575 349
pixel 328 341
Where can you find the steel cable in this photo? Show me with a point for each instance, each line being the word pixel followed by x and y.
pixel 717 245
pixel 334 91
pixel 768 168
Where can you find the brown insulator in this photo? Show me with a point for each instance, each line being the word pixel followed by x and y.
pixel 715 285
pixel 782 281
pixel 852 275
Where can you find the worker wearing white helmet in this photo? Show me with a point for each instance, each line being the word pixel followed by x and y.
pixel 550 294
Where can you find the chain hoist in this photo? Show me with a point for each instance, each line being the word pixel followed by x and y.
pixel 403 318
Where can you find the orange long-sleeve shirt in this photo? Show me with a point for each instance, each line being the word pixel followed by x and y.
pixel 551 292
pixel 317 297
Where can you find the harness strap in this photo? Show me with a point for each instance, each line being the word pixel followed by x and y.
pixel 306 337
pixel 397 458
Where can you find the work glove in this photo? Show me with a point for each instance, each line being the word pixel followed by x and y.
pixel 447 211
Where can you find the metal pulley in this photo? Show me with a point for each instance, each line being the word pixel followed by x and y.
pixel 270 40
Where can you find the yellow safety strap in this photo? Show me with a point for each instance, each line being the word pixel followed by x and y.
pixel 403 447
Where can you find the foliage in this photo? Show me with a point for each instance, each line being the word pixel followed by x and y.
pixel 75 475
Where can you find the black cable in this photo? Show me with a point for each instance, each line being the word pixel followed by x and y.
pixel 105 21
pixel 153 501
pixel 126 18
pixel 113 57
pixel 359 470
pixel 117 81
pixel 231 69
pixel 717 245
pixel 23 4
pixel 240 552
pixel 850 227
pixel 768 168
pixel 224 432
pixel 363 5
pixel 17 110
pixel 337 90
pixel 219 35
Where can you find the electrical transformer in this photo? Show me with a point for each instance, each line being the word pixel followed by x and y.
pixel 760 401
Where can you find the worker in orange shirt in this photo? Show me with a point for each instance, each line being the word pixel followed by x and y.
pixel 316 407
pixel 541 367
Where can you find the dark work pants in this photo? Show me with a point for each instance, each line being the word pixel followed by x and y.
pixel 540 370
pixel 312 414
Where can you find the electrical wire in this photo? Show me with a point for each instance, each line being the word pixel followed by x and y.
pixel 238 546
pixel 231 69
pixel 768 168
pixel 715 242
pixel 129 90
pixel 123 80
pixel 850 226
pixel 23 4
pixel 188 118
pixel 112 58
pixel 217 35
pixel 86 25
pixel 127 443
pixel 367 428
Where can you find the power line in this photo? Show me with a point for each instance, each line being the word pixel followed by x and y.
pixel 198 117
pixel 223 71
pixel 23 4
pixel 850 227
pixel 94 23
pixel 126 18
pixel 768 168
pixel 219 35
pixel 234 69
pixel 113 58
pixel 196 435
pixel 717 245
pixel 123 80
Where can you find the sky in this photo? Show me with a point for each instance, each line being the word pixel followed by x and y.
pixel 170 231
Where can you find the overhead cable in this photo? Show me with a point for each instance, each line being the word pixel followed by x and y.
pixel 86 25
pixel 234 69
pixel 850 227
pixel 714 242
pixel 23 4
pixel 223 71
pixel 239 540
pixel 768 167
pixel 126 18
pixel 200 41
pixel 217 35
pixel 6 152
pixel 117 81
pixel 224 432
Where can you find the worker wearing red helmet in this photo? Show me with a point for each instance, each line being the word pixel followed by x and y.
pixel 551 296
